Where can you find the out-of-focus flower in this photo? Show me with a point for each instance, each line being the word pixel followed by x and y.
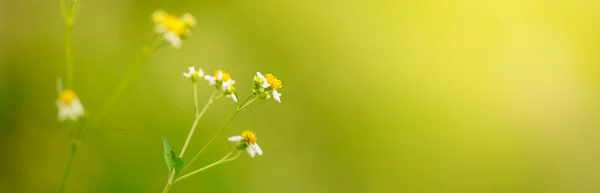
pixel 221 80
pixel 194 74
pixel 172 27
pixel 69 106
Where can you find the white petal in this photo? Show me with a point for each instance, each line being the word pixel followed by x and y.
pixel 260 76
pixel 276 96
pixel 188 19
pixel 211 80
pixel 200 72
pixel 265 84
pixel 219 75
pixel 257 148
pixel 173 39
pixel 236 138
pixel 160 28
pixel 251 151
pixel 234 98
pixel 187 74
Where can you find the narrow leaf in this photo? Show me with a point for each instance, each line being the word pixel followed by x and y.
pixel 176 162
pixel 167 153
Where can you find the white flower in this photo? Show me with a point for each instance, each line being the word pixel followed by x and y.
pixel 172 28
pixel 247 141
pixel 268 83
pixel 221 79
pixel 69 106
pixel 193 74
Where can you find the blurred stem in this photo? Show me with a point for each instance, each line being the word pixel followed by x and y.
pixel 68 52
pixel 239 108
pixel 133 72
pixel 68 16
pixel 222 160
pixel 63 184
pixel 196 98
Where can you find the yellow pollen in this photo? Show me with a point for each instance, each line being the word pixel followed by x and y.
pixel 196 73
pixel 226 76
pixel 273 81
pixel 66 97
pixel 174 24
pixel 249 137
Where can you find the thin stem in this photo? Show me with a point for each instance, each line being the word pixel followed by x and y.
pixel 240 108
pixel 222 160
pixel 63 184
pixel 196 97
pixel 69 50
pixel 198 116
pixel 146 52
pixel 211 99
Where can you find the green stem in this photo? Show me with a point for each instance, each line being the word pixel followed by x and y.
pixel 69 51
pixel 240 108
pixel 198 116
pixel 63 184
pixel 196 98
pixel 222 160
pixel 146 52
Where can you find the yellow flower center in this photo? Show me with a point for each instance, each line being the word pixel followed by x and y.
pixel 273 81
pixel 249 137
pixel 226 76
pixel 196 74
pixel 174 24
pixel 66 97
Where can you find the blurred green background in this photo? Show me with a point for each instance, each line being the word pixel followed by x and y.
pixel 378 96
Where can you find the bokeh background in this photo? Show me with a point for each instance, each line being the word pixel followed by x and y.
pixel 378 96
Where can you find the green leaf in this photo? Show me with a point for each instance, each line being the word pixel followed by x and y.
pixel 167 153
pixel 177 162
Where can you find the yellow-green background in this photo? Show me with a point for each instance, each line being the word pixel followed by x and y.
pixel 378 96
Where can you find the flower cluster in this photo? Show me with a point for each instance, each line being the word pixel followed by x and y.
pixel 69 106
pixel 172 27
pixel 247 141
pixel 265 84
pixel 221 81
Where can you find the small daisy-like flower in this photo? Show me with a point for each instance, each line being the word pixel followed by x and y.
pixel 247 141
pixel 264 84
pixel 221 80
pixel 172 27
pixel 194 74
pixel 69 106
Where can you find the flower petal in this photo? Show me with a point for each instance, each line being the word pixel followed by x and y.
pixel 276 96
pixel 257 148
pixel 188 20
pixel 251 151
pixel 236 138
pixel 173 39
